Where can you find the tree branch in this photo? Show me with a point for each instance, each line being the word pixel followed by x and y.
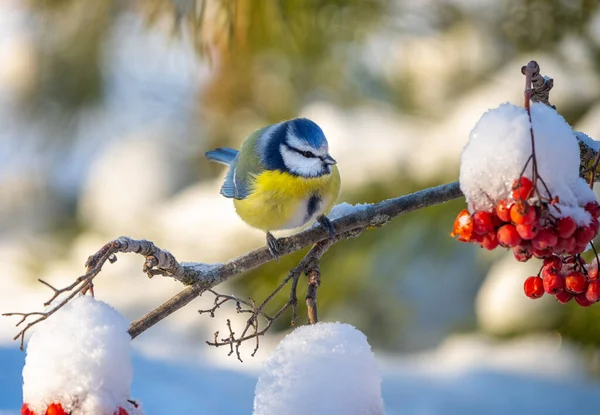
pixel 347 226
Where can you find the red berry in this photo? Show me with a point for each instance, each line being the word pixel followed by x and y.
pixel 496 220
pixel 522 189
pixel 503 210
pixel 528 231
pixel 565 245
pixel 545 238
pixel 553 263
pixel 564 297
pixel 477 238
pixel 595 226
pixel 541 253
pixel 593 291
pixel 592 271
pixel 582 300
pixel 583 235
pixel 593 208
pixel 579 249
pixel 482 222
pixel 575 282
pixel 508 236
pixel 521 253
pixel 490 241
pixel 566 227
pixel 121 411
pixel 553 282
pixel 534 287
pixel 463 226
pixel 55 409
pixel 26 411
pixel 522 213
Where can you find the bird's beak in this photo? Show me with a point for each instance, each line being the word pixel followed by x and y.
pixel 329 160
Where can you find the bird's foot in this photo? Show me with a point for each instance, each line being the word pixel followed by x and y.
pixel 327 225
pixel 273 245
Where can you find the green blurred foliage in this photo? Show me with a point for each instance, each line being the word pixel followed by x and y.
pixel 70 53
pixel 538 25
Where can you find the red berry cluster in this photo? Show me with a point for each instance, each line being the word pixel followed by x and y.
pixel 566 279
pixel 529 229
pixel 53 409
pixel 57 409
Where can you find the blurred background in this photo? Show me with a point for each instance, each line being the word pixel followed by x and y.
pixel 107 107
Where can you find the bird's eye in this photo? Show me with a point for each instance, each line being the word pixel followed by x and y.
pixel 307 154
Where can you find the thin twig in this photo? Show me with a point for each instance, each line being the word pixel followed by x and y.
pixel 155 260
pixel 314 280
pixel 252 328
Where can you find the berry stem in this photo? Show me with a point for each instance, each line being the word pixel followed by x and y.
pixel 531 70
pixel 595 252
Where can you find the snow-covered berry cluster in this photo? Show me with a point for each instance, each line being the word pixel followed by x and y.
pixel 521 182
pixel 526 226
pixel 57 409
pixel 79 363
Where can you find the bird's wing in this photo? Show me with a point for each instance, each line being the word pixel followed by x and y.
pixel 239 182
pixel 243 169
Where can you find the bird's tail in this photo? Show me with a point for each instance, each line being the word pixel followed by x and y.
pixel 222 155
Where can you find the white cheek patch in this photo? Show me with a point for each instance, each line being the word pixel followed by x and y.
pixel 298 164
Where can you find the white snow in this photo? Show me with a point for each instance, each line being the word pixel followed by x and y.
pixel 344 209
pixel 321 369
pixel 587 140
pixel 499 147
pixel 81 358
pixel 465 375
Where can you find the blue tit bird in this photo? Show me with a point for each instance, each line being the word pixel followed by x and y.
pixel 282 178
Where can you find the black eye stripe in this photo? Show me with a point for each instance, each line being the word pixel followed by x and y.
pixel 306 154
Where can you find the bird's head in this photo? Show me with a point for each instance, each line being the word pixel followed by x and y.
pixel 304 149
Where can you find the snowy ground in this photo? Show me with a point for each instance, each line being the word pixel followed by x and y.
pixel 465 375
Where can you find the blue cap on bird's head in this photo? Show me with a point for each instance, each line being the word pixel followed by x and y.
pixel 307 131
pixel 296 146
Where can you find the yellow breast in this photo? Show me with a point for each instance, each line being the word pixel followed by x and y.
pixel 281 200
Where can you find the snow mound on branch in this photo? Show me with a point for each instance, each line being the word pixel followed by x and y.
pixel 321 369
pixel 344 209
pixel 499 147
pixel 80 358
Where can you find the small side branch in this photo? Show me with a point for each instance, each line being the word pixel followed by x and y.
pixel 253 328
pixel 314 280
pixel 158 262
